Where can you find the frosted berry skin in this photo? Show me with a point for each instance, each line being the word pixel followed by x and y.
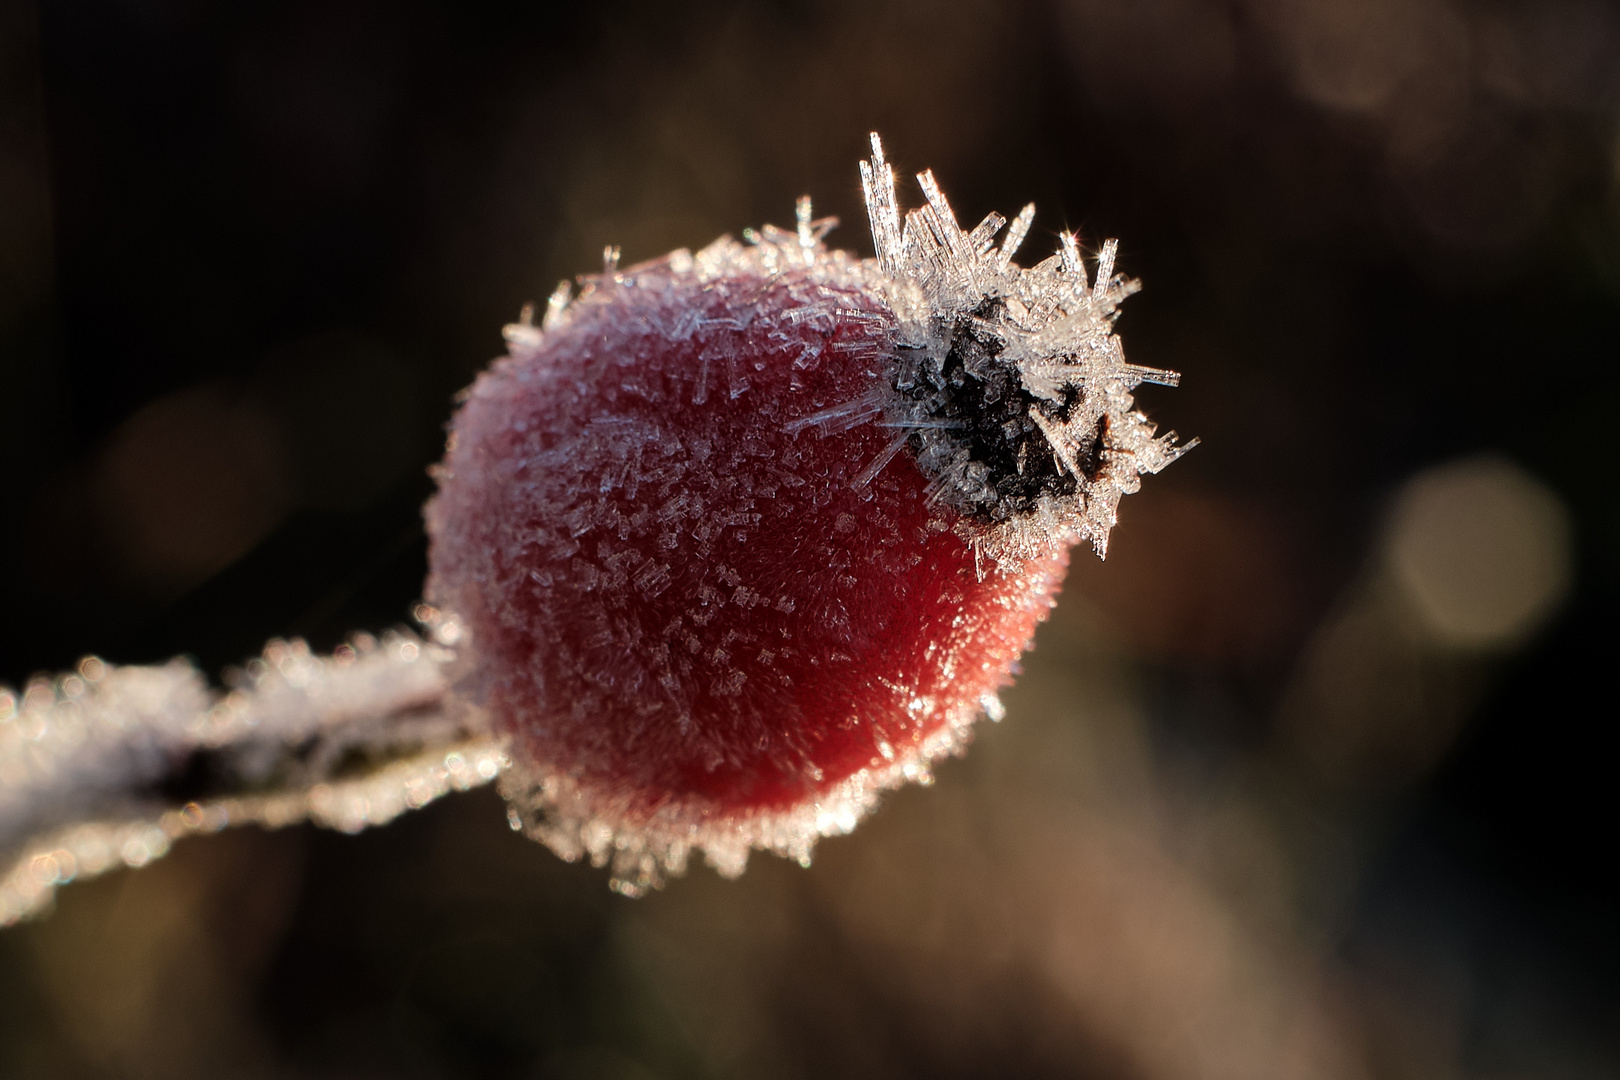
pixel 741 539
pixel 683 595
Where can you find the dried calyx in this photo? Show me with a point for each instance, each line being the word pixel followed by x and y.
pixel 1009 384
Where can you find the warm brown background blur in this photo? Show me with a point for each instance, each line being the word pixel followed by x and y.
pixel 1311 779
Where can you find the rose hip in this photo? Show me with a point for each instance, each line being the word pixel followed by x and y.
pixel 743 538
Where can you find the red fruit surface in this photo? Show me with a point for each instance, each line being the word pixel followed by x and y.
pixel 687 606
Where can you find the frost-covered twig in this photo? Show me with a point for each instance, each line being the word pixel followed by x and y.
pixel 701 620
pixel 107 766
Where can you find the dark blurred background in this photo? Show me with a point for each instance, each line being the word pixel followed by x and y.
pixel 1306 781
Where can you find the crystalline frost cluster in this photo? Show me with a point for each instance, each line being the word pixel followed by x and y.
pixel 1010 381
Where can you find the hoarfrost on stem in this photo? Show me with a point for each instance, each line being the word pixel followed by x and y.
pixel 345 741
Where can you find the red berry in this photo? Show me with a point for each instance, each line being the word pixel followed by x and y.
pixel 741 539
